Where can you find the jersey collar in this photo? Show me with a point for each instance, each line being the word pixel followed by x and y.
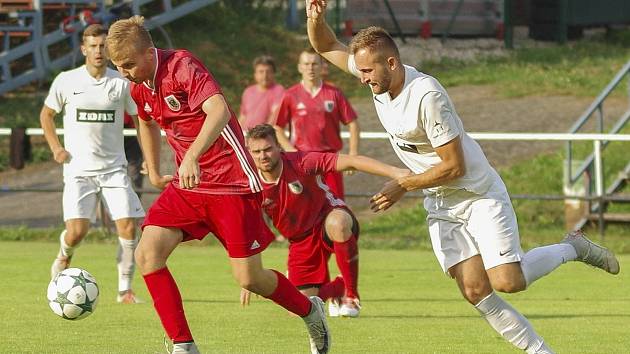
pixel 262 178
pixel 157 65
pixel 313 93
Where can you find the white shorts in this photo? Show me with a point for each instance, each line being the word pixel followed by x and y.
pixel 80 195
pixel 464 224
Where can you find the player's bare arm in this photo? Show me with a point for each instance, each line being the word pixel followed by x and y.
pixel 281 135
pixel 369 165
pixel 47 120
pixel 217 117
pixel 150 140
pixel 322 37
pixel 355 136
pixel 451 167
pixel 353 146
pixel 136 123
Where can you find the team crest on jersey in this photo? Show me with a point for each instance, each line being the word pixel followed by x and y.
pixel 113 96
pixel 173 103
pixel 296 187
pixel 329 106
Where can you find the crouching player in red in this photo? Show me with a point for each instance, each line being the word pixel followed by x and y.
pixel 216 188
pixel 315 221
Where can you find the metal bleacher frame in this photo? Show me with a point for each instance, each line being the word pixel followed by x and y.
pixel 38 45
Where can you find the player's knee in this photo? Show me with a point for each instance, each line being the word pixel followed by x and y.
pixel 509 285
pixel 148 261
pixel 74 235
pixel 139 256
pixel 248 283
pixel 127 230
pixel 474 293
pixel 339 229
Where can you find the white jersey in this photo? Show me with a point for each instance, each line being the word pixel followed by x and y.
pixel 422 118
pixel 92 120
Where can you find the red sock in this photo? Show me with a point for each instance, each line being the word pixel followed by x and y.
pixel 289 297
pixel 333 289
pixel 168 304
pixel 347 255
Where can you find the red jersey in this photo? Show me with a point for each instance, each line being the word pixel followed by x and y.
pixel 182 84
pixel 296 201
pixel 315 119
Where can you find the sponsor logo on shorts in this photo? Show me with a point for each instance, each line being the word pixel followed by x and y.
pixel 254 245
pixel 173 103
pixel 95 116
pixel 147 108
pixel 503 253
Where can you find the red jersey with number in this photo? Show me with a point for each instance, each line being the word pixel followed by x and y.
pixel 182 84
pixel 296 202
pixel 314 119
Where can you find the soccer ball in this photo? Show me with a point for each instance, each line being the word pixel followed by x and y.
pixel 73 294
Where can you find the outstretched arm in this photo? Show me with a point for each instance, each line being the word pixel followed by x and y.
pixel 322 37
pixel 369 165
pixel 452 166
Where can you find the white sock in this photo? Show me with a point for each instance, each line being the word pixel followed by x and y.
pixel 541 261
pixel 65 250
pixel 511 324
pixel 126 265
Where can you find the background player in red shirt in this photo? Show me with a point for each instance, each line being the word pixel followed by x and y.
pixel 312 110
pixel 313 219
pixel 216 188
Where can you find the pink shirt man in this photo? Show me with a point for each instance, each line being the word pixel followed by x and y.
pixel 261 100
pixel 257 105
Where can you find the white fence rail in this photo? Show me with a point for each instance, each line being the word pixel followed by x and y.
pixel 597 140
pixel 476 136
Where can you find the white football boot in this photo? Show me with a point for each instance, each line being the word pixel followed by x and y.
pixel 128 297
pixel 318 332
pixel 334 306
pixel 350 307
pixel 591 253
pixel 185 348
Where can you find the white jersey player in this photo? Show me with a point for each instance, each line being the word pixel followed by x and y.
pixel 93 100
pixel 471 222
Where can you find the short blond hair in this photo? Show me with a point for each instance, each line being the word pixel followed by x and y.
pixel 376 40
pixel 126 36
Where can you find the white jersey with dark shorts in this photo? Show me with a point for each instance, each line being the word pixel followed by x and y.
pixel 470 215
pixel 93 116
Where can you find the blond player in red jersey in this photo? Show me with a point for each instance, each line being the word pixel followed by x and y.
pixel 314 220
pixel 216 188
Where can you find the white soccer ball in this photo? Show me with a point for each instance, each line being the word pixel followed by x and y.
pixel 73 294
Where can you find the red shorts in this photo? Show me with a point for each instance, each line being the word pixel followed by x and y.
pixel 234 219
pixel 334 180
pixel 308 257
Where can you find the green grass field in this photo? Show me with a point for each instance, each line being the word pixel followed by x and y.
pixel 409 306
